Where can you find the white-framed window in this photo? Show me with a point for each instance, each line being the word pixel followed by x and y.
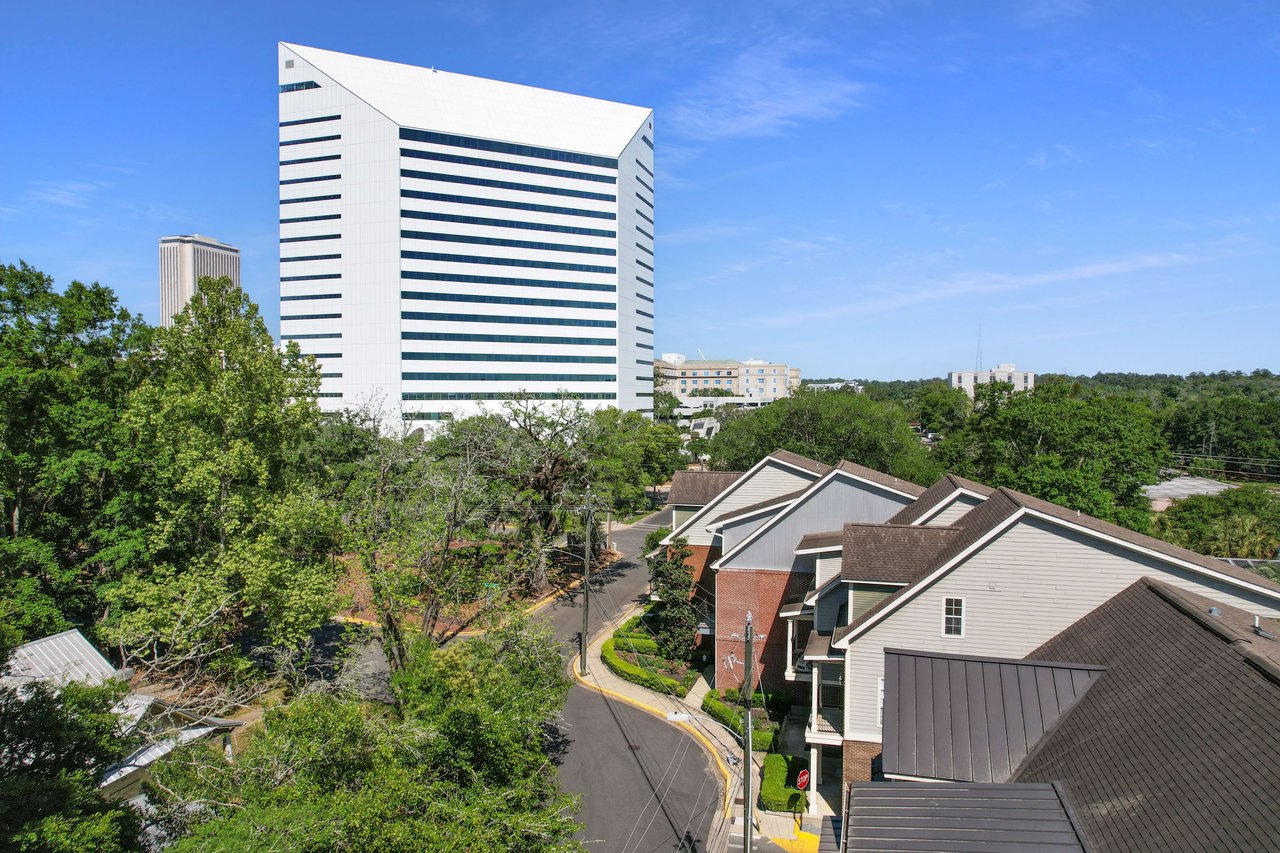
pixel 953 617
pixel 880 705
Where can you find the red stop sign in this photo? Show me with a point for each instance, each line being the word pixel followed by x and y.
pixel 802 780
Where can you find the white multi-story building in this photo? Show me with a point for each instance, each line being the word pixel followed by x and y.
pixel 1021 380
pixel 448 241
pixel 755 380
pixel 186 258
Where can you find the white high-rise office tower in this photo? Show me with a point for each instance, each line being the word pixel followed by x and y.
pixel 188 257
pixel 447 241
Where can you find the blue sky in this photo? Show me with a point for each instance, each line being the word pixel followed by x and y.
pixel 854 188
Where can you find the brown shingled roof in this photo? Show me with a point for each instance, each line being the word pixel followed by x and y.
pixel 830 539
pixel 1176 747
pixel 1004 502
pixel 697 488
pixel 892 553
pixel 978 522
pixel 764 504
pixel 936 494
pixel 881 478
pixel 800 461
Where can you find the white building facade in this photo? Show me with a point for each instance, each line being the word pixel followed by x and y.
pixel 184 259
pixel 448 241
pixel 1021 380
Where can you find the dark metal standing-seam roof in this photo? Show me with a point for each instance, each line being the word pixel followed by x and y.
pixel 972 719
pixel 697 488
pixel 959 818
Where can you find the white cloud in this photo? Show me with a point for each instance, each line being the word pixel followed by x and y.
pixel 983 283
pixel 1049 14
pixel 63 193
pixel 763 91
pixel 705 233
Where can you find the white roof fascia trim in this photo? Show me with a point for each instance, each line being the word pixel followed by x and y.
pixel 751 472
pixel 902 777
pixel 716 525
pixel 941 505
pixel 1158 555
pixel 799 552
pixel 812 598
pixel 759 531
pixel 918 586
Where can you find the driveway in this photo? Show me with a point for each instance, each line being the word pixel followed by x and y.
pixel 645 785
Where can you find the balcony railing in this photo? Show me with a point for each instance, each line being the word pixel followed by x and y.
pixel 830 721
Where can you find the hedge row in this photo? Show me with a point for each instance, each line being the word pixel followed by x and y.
pixel 645 678
pixel 635 644
pixel 777 784
pixel 762 735
pixel 777 703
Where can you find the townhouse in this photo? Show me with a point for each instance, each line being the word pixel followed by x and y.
pixel 1147 725
pixel 1005 577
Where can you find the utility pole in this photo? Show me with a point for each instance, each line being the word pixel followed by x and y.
pixel 586 582
pixel 748 801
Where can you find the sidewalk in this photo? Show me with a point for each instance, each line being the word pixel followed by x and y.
pixel 718 742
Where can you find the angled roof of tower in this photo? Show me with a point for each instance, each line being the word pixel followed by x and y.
pixel 430 99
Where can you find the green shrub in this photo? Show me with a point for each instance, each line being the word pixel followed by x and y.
pixel 635 645
pixel 762 733
pixel 644 677
pixel 778 792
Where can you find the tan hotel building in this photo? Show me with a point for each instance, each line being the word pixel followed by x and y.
pixel 754 378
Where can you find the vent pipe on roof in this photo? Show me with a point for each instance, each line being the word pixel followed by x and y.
pixel 1258 629
pixel 1215 611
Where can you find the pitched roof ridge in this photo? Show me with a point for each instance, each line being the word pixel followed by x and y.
pixel 777 500
pixel 1238 640
pixel 1092 667
pixel 881 477
pixel 800 460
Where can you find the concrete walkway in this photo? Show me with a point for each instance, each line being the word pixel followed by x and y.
pixel 723 746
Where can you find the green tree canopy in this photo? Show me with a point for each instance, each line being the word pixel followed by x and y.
pixel 218 540
pixel 465 767
pixel 827 426
pixel 1243 522
pixel 56 743
pixel 1093 454
pixel 67 364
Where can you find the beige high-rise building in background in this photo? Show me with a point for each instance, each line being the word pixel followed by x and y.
pixel 186 258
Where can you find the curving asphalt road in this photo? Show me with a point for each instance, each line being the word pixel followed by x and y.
pixel 645 785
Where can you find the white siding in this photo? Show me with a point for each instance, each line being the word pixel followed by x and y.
pixel 828 566
pixel 770 481
pixel 829 506
pixel 1020 591
pixel 953 511
pixel 734 532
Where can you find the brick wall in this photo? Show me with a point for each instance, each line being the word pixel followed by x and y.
pixel 858 755
pixel 762 593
